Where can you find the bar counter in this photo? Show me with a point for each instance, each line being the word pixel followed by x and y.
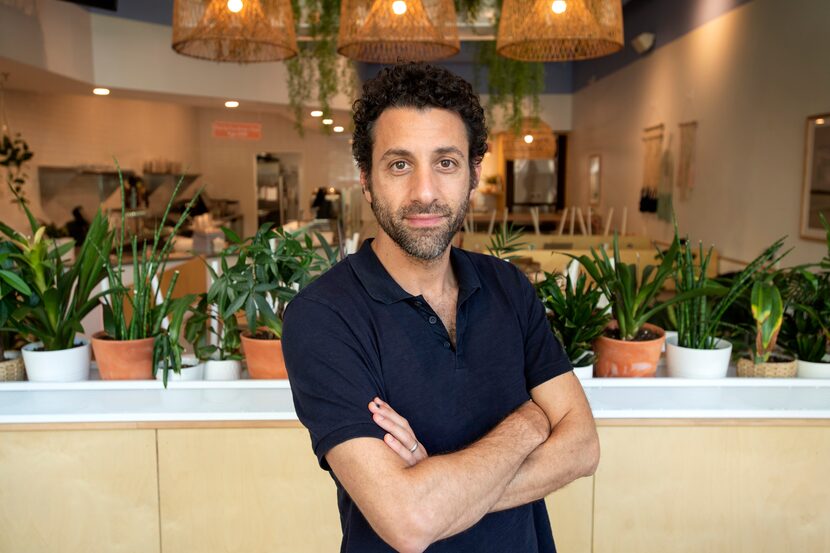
pixel 735 465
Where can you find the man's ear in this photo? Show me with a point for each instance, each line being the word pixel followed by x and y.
pixel 364 182
pixel 477 174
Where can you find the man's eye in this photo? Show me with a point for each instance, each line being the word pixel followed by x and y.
pixel 399 165
pixel 447 163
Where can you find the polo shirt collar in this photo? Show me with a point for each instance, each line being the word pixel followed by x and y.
pixel 380 285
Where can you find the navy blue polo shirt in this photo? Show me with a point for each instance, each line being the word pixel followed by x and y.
pixel 354 334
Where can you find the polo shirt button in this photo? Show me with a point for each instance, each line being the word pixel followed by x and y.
pixel 433 319
pixel 447 345
pixel 418 303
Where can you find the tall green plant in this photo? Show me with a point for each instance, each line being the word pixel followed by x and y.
pixel 60 296
pixel 149 262
pixel 633 298
pixel 14 293
pixel 575 318
pixel 699 318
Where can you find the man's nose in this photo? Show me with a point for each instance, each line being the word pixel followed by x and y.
pixel 423 186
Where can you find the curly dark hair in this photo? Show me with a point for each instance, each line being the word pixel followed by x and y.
pixel 421 86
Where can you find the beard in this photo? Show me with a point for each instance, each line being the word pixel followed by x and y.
pixel 425 244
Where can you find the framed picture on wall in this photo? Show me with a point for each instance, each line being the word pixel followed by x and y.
pixel 815 194
pixel 594 179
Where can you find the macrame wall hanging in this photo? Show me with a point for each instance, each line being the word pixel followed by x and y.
pixel 686 159
pixel 652 148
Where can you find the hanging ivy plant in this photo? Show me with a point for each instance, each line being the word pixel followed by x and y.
pixel 512 85
pixel 318 61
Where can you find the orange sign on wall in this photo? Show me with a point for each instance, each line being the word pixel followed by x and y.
pixel 237 131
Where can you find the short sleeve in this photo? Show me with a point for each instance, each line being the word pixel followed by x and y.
pixel 545 357
pixel 330 373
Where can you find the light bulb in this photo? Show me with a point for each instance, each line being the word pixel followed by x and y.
pixel 559 6
pixel 316 113
pixel 528 138
pixel 235 5
pixel 101 91
pixel 819 121
pixel 231 104
pixel 399 7
pixel 328 121
pixel 338 129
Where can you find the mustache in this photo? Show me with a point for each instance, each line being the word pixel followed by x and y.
pixel 418 208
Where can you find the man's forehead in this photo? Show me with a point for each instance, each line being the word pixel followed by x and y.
pixel 409 128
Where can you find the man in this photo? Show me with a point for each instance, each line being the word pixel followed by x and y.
pixel 410 346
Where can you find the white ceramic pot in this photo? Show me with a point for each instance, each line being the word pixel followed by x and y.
pixel 809 369
pixel 584 372
pixel 223 370
pixel 669 334
pixel 65 365
pixel 697 363
pixel 192 369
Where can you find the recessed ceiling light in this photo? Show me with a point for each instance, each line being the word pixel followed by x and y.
pixel 231 104
pixel 528 138
pixel 100 91
pixel 559 6
pixel 316 113
pixel 328 121
pixel 235 6
pixel 819 121
pixel 338 129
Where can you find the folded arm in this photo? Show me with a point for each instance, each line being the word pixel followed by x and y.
pixel 412 506
pixel 571 450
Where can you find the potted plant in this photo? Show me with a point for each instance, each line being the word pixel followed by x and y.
pixel 130 346
pixel 272 267
pixel 213 328
pixel 60 298
pixel 14 292
pixel 768 314
pixel 575 318
pixel 697 351
pixel 172 364
pixel 805 330
pixel 629 345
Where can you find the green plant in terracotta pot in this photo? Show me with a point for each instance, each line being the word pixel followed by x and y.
pixel 274 265
pixel 575 317
pixel 61 296
pixel 630 346
pixel 136 314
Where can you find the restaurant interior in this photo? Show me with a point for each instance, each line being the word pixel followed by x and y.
pixel 643 123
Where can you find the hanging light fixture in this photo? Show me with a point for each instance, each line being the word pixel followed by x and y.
pixel 541 30
pixel 386 31
pixel 241 31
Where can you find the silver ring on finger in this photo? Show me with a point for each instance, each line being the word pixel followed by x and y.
pixel 414 447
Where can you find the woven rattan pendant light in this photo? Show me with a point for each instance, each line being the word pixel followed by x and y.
pixel 241 31
pixel 387 31
pixel 541 30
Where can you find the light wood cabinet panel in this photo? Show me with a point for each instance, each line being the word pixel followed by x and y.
pixel 571 512
pixel 78 492
pixel 251 490
pixel 712 489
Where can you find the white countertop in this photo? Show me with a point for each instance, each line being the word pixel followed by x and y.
pixel 270 400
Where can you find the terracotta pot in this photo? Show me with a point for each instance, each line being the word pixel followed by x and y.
pixel 782 369
pixel 264 357
pixel 123 359
pixel 621 358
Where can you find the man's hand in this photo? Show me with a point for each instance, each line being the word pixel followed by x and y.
pixel 400 436
pixel 400 433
